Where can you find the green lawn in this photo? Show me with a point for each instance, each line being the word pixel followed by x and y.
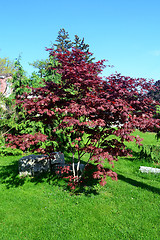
pixel 36 209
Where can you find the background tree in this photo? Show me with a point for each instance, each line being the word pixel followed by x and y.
pixel 41 66
pixel 80 44
pixel 20 81
pixel 13 118
pixel 63 41
pixel 45 68
pixel 45 72
pixel 6 66
pixel 155 93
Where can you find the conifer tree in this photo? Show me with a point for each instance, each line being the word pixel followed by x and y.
pixel 63 41
pixel 80 44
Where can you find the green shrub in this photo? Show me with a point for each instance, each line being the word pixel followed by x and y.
pixel 151 153
pixel 10 151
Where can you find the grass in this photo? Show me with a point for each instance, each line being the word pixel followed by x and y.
pixel 35 209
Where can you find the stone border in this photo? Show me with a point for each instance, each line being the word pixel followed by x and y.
pixel 144 169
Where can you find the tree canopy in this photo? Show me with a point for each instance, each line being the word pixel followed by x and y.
pixel 88 115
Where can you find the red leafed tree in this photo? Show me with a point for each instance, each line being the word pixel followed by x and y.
pixel 93 115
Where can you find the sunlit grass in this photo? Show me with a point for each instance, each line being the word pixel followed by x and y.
pixel 38 209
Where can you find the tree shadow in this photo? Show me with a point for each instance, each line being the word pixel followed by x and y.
pixel 10 177
pixel 135 155
pixel 87 187
pixel 139 184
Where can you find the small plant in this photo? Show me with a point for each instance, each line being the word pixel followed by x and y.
pixel 150 153
pixel 8 151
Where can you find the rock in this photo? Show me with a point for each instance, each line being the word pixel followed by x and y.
pixel 32 164
pixel 144 169
pixel 57 157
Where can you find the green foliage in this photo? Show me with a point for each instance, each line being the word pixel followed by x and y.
pixel 36 80
pixel 150 153
pixel 158 109
pixel 20 82
pixel 6 66
pixel 29 127
pixel 8 116
pixel 10 151
pixel 51 74
pixel 45 72
pixel 38 208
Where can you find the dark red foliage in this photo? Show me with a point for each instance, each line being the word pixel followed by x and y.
pixel 96 116
pixel 26 141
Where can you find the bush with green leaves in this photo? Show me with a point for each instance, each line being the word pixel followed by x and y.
pixel 151 153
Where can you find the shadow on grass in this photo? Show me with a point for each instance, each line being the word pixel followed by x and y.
pixel 139 184
pixel 135 156
pixel 9 176
pixel 87 188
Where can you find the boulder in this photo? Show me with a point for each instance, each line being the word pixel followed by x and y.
pixel 57 158
pixel 32 164
pixel 35 164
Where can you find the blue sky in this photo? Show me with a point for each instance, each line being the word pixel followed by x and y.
pixel 125 32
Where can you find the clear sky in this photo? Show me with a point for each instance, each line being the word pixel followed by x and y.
pixel 125 32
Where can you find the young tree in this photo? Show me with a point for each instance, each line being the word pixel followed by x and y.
pixel 95 116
